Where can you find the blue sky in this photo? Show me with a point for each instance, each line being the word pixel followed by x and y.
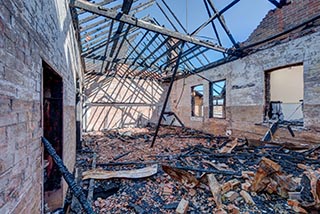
pixel 241 19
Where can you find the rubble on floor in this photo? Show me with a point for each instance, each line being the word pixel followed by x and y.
pixel 198 173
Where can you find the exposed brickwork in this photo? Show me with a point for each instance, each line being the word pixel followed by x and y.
pixel 32 31
pixel 279 20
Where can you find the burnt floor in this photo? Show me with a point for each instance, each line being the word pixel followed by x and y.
pixel 200 154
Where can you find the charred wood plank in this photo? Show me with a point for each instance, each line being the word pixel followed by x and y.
pixel 135 173
pixel 91 182
pixel 270 132
pixel 222 172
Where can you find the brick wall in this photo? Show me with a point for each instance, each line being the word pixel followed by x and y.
pixel 279 20
pixel 30 32
pixel 245 94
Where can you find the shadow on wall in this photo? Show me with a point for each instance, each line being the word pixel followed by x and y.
pixel 115 102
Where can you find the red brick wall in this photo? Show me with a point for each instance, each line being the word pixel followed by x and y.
pixel 279 20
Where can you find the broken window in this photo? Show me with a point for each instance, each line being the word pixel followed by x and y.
pixel 284 95
pixel 217 99
pixel 197 101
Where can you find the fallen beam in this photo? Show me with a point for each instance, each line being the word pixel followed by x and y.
pixel 136 173
pixel 105 12
pixel 68 177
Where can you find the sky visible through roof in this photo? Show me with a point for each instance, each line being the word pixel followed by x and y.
pixel 241 19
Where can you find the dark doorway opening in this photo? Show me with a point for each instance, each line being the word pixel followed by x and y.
pixel 52 93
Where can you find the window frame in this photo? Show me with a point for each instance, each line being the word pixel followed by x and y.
pixel 212 98
pixel 193 103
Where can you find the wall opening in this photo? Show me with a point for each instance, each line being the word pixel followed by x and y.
pixel 217 99
pixel 284 94
pixel 52 94
pixel 197 101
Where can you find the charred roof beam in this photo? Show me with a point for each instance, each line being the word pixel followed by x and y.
pixel 278 4
pixel 134 48
pixel 213 25
pixel 105 12
pixel 101 42
pixel 214 17
pixel 223 23
pixel 126 6
pixel 177 20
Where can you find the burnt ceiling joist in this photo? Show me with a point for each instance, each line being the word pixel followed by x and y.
pixel 279 4
pixel 114 33
pixel 124 18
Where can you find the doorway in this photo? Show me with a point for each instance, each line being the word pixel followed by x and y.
pixel 52 94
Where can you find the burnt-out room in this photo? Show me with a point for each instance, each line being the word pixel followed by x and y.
pixel 158 106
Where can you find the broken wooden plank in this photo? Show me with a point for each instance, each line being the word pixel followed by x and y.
pixel 247 197
pixel 182 206
pixel 183 176
pixel 218 166
pixel 222 172
pixel 269 177
pixel 231 196
pixel 269 134
pixel 229 146
pixel 229 185
pixel 261 179
pixel 215 189
pixel 135 173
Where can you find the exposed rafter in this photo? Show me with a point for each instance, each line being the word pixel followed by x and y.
pixel 105 12
pixel 279 4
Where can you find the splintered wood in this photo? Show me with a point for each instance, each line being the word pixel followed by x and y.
pixel 185 177
pixel 199 173
pixel 269 176
pixel 182 207
pixel 215 189
pixel 137 173
pixel 229 147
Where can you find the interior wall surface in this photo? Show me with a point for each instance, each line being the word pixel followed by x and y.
pixel 117 102
pixel 32 32
pixel 245 92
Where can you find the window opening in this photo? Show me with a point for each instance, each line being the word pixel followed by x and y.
pixel 217 99
pixel 284 97
pixel 197 101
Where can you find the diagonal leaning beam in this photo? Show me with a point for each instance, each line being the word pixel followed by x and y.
pixel 142 24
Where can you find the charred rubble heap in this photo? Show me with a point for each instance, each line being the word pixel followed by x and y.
pixel 193 172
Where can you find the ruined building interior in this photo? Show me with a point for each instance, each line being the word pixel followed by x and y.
pixel 158 106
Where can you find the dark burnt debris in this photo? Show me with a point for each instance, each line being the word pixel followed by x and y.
pixel 247 177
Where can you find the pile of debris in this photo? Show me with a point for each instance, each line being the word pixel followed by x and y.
pixel 193 172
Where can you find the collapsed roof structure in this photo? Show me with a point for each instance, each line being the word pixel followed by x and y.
pixel 88 84
pixel 113 33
